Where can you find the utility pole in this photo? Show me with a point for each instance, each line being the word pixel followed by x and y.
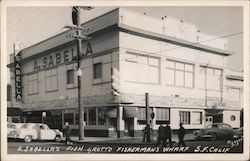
pixel 79 37
pixel 147 117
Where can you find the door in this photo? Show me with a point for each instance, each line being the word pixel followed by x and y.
pixel 129 126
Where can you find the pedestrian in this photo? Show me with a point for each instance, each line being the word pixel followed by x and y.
pixel 144 134
pixel 68 131
pixel 168 134
pixel 181 134
pixel 161 136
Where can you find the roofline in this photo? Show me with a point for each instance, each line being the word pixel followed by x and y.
pixel 173 40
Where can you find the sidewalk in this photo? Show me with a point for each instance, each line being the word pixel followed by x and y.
pixel 126 139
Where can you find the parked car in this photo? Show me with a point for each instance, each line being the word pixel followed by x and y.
pixel 215 131
pixel 33 131
pixel 238 133
pixel 12 127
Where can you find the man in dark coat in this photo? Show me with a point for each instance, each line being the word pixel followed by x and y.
pixel 161 135
pixel 168 134
pixel 181 134
pixel 68 131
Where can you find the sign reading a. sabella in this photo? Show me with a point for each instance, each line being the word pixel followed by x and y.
pixel 18 78
pixel 60 57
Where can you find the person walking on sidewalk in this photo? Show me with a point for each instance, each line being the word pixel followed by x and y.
pixel 181 134
pixel 68 131
pixel 161 140
pixel 168 135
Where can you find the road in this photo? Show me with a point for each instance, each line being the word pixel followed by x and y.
pixel 195 146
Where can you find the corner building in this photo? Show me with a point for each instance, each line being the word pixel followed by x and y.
pixel 185 74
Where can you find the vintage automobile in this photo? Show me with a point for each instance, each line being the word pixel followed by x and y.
pixel 238 133
pixel 12 127
pixel 215 131
pixel 33 131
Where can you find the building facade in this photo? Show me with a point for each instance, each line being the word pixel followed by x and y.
pixel 184 72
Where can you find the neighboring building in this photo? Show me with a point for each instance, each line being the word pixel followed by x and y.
pixel 184 73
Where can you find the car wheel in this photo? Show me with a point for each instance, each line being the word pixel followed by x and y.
pixel 213 137
pixel 28 138
pixel 58 138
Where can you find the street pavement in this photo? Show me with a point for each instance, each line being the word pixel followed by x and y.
pixel 128 140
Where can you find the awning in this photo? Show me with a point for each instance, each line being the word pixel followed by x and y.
pixel 213 112
pixel 111 112
pixel 130 112
pixel 14 111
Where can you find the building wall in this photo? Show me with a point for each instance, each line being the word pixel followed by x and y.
pixel 232 118
pixel 149 48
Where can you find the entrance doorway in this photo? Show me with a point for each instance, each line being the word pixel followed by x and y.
pixel 129 126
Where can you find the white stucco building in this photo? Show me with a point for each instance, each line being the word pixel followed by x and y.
pixel 184 72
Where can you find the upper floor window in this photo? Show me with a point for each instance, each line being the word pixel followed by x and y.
pixel 212 78
pixel 142 68
pixel 51 83
pixel 70 76
pixel 180 74
pixel 32 84
pixel 98 71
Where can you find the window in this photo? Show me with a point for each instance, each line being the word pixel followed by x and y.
pixel 142 68
pixel 213 78
pixel 92 116
pixel 101 116
pixel 180 74
pixel 162 115
pixel 69 116
pixel 70 76
pixel 96 116
pixel 33 84
pixel 141 120
pixel 196 118
pixel 51 80
pixel 98 71
pixel 185 117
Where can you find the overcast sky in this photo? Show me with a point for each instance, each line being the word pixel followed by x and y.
pixel 30 25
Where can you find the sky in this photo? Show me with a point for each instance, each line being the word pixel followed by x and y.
pixel 30 25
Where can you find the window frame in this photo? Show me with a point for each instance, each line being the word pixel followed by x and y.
pixel 94 71
pixel 184 71
pixel 50 77
pixel 32 81
pixel 187 120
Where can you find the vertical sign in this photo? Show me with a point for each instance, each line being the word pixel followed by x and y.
pixel 18 80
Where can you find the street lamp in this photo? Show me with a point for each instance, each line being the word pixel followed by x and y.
pixel 78 72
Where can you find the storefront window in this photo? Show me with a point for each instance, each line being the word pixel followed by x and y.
pixel 101 116
pixel 162 115
pixel 77 116
pixel 69 116
pixel 185 117
pixel 92 116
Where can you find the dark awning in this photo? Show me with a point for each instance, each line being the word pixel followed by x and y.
pixel 14 111
pixel 213 112
pixel 130 112
pixel 111 112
